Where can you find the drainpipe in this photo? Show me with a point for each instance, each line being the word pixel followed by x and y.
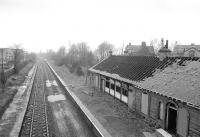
pixel 121 92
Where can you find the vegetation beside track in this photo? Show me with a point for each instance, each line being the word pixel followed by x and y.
pixel 6 95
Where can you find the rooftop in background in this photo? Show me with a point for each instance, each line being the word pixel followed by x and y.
pixel 143 72
pixel 185 47
pixel 187 50
pixel 139 50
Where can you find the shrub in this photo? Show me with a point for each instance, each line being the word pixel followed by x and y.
pixel 71 69
pixel 75 65
pixel 79 71
pixel 60 61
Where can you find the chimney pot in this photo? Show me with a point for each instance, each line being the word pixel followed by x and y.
pixel 143 43
pixel 110 52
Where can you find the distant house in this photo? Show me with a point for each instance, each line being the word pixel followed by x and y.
pixel 139 50
pixel 187 50
pixel 6 55
pixel 163 91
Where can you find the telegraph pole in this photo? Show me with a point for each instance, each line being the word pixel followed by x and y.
pixel 2 60
pixel 3 80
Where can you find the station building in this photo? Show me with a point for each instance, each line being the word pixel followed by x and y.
pixel 172 102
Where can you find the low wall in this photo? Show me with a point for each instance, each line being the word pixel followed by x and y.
pixel 93 123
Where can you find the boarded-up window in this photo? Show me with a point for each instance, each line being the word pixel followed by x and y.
pixel 96 81
pixel 153 107
pixel 144 103
pixel 160 110
pixel 182 127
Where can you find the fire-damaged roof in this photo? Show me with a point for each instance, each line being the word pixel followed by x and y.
pixel 142 72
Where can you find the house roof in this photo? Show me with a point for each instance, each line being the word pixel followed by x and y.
pixel 164 49
pixel 136 48
pixel 192 48
pixel 142 72
pixel 181 48
pixel 133 48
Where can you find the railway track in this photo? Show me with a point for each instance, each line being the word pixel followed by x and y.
pixel 44 118
pixel 35 123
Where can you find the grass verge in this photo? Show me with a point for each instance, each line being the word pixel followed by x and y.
pixel 10 90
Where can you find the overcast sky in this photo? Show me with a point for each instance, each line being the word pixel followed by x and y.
pixel 48 24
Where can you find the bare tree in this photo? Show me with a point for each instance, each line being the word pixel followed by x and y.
pixel 18 56
pixel 72 54
pixel 84 54
pixel 60 56
pixel 61 51
pixel 155 44
pixel 77 57
pixel 50 54
pixel 103 49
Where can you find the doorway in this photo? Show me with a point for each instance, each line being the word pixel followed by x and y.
pixel 171 118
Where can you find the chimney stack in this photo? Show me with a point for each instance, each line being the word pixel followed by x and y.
pixel 162 42
pixel 110 52
pixel 166 46
pixel 143 43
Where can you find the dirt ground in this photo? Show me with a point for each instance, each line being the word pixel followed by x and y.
pixel 7 95
pixel 112 114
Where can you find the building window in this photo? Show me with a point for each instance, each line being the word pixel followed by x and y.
pixel 107 84
pixel 112 86
pixel 145 103
pixel 124 92
pixel 118 89
pixel 160 110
